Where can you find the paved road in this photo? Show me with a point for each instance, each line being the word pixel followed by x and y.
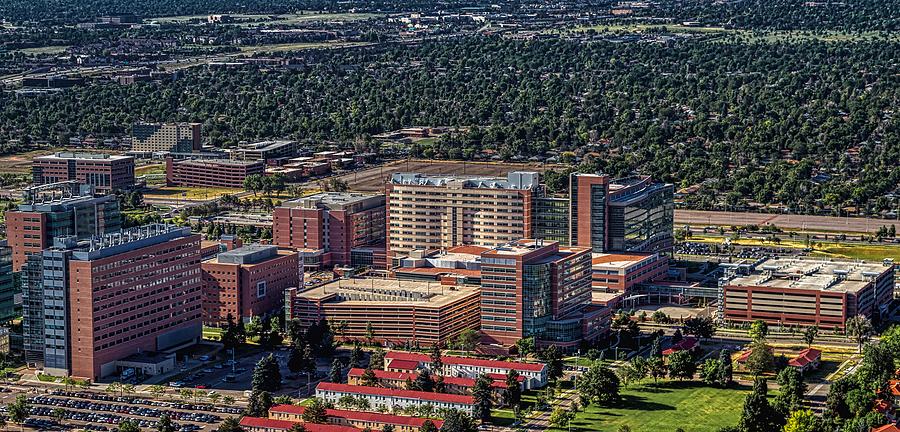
pixel 797 222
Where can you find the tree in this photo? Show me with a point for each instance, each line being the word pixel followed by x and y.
pixel 58 414
pixel 809 335
pixel 297 427
pixel 860 401
pixel 561 417
pixel 876 367
pixel 258 403
pixel 599 384
pixel 791 391
pixel 19 410
pixel 634 371
pixel 709 371
pixel 157 390
pixel 681 365
pixel 296 361
pixel 700 327
pixel 759 330
pixel 803 421
pixel 315 412
pixel 428 426
pixel 231 424
pixel 128 425
pixel 439 385
pixel 512 392
pixel 761 358
pixel 483 396
pixel 267 374
pixel 376 358
pixel 424 381
pixel 437 364
pixel 336 375
pixel 726 372
pixel 356 356
pixel 387 428
pixel 457 421
pixel 370 333
pixel 656 368
pixel 858 329
pixel 165 424
pixel 836 401
pixel 525 346
pixel 553 357
pixel 369 378
pixel 467 339
pixel 757 414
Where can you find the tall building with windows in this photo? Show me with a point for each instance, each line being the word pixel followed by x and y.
pixel 530 288
pixel 106 173
pixel 551 219
pixel 90 304
pixel 7 285
pixel 430 212
pixel 165 137
pixel 631 214
pixel 333 229
pixel 55 210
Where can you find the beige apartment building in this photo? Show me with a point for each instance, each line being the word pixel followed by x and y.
pixel 439 212
pixel 165 137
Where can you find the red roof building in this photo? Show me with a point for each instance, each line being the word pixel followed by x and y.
pixel 535 374
pixel 807 359
pixel 258 424
pixel 390 399
pixel 886 428
pixel 356 419
pixel 689 343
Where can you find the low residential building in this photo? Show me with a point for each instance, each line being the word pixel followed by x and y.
pixel 215 173
pixel 265 150
pixel 535 374
pixel 806 360
pixel 106 173
pixel 333 229
pixel 357 419
pixel 248 281
pixel 795 291
pixel 397 312
pixel 689 343
pixel 259 424
pixel 614 272
pixel 390 399
pixel 452 384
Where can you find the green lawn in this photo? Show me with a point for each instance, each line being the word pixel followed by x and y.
pixel 688 405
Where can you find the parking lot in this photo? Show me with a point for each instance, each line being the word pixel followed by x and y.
pixel 103 412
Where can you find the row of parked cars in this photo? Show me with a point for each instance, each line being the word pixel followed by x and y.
pixel 139 401
pixel 98 410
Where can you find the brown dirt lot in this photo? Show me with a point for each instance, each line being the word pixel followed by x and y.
pixel 373 180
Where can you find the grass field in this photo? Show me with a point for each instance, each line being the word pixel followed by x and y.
pixel 56 49
pixel 150 169
pixel 186 193
pixel 645 408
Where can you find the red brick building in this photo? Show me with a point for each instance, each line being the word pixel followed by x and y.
pixel 622 272
pixel 128 293
pixel 106 173
pixel 220 173
pixel 794 291
pixel 33 226
pixel 333 229
pixel 246 282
